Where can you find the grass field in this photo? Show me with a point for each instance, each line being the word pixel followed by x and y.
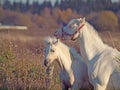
pixel 22 55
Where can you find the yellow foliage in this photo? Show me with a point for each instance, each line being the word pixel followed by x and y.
pixel 66 15
pixel 24 19
pixel 107 20
pixel 14 18
pixel 69 12
pixel 63 16
pixel 46 12
pixel 57 13
pixel 40 19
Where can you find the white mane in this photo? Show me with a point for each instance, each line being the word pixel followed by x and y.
pixel 94 34
pixel 97 38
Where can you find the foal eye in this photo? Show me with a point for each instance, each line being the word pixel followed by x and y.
pixel 52 50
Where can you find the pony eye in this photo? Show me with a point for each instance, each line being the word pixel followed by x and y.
pixel 71 26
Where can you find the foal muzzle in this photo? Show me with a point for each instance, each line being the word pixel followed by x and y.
pixel 45 63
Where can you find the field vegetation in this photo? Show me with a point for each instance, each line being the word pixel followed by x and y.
pixel 21 60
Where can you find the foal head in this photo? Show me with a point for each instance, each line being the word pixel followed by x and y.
pixel 51 51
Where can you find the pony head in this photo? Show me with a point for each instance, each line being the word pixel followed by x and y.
pixel 50 51
pixel 71 30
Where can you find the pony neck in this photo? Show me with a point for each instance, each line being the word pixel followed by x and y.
pixel 90 43
pixel 64 58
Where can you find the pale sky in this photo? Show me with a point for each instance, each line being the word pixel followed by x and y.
pixel 53 1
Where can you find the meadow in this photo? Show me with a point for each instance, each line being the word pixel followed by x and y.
pixel 22 52
pixel 22 56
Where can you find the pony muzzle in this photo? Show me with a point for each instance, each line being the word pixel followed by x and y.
pixel 75 36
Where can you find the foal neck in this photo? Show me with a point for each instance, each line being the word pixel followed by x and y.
pixel 64 58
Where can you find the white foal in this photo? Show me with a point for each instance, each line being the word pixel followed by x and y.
pixel 74 74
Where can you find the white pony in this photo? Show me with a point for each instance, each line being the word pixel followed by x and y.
pixel 99 57
pixel 74 74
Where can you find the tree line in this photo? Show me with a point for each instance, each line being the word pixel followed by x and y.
pixel 103 14
pixel 79 6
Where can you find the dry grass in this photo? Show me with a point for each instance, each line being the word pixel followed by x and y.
pixel 21 61
pixel 22 55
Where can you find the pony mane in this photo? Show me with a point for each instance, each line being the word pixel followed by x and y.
pixel 95 35
pixel 94 31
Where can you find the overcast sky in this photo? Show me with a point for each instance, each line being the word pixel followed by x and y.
pixel 46 0
pixel 53 1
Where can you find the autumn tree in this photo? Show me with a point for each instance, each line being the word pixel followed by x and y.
pixel 66 15
pixel 57 15
pixel 106 20
pixel 48 20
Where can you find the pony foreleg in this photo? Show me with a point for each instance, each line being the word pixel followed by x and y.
pixel 87 86
pixel 99 87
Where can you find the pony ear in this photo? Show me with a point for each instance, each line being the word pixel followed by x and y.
pixel 83 20
pixel 80 19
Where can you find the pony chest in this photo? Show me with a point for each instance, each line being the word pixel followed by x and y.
pixel 100 70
